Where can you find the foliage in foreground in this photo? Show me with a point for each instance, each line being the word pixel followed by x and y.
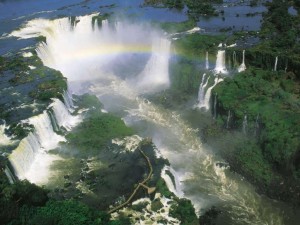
pixel 27 204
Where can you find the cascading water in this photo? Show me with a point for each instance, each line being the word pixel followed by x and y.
pixel 105 24
pixel 242 67
pixel 9 175
pixel 234 58
pixel 28 159
pixel 206 61
pixel 55 126
pixel 208 93
pixel 105 45
pixel 204 99
pixel 220 62
pixel 68 101
pixel 203 182
pixel 22 157
pixel 275 65
pixel 173 185
pixel 4 139
pixel 63 116
pixel 156 72
pixel 201 92
pixel 43 130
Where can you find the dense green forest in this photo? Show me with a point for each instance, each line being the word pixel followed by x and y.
pixel 269 98
pixel 266 152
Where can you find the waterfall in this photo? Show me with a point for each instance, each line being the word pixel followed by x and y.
pixel 174 187
pixel 275 65
pixel 203 99
pixel 228 119
pixel 156 71
pixel 43 138
pixel 30 159
pixel 10 175
pixel 43 130
pixel 286 66
pixel 208 93
pixel 242 67
pixel 234 58
pixel 53 121
pixel 82 46
pixel 220 62
pixel 206 61
pixel 105 24
pixel 4 139
pixel 22 157
pixel 245 124
pixel 202 89
pixel 68 101
pixel 63 116
pixel 182 144
pixel 215 106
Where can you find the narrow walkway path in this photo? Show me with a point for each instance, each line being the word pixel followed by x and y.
pixel 142 184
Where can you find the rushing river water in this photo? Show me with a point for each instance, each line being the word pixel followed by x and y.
pixel 88 58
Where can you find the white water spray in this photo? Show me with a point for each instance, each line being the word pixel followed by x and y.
pixel 68 101
pixel 220 62
pixel 4 139
pixel 156 72
pixel 275 65
pixel 204 182
pixel 174 184
pixel 9 175
pixel 234 58
pixel 204 99
pixel 30 159
pixel 207 95
pixel 206 61
pixel 242 67
pixel 201 92
pixel 63 116
pixel 96 50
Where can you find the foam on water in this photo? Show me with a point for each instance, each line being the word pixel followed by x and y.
pixel 129 143
pixel 4 139
pixel 220 62
pixel 30 159
pixel 81 54
pixel 27 54
pixel 95 49
pixel 63 116
pixel 176 187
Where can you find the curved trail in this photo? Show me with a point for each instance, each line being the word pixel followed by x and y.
pixel 84 57
pixel 141 184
